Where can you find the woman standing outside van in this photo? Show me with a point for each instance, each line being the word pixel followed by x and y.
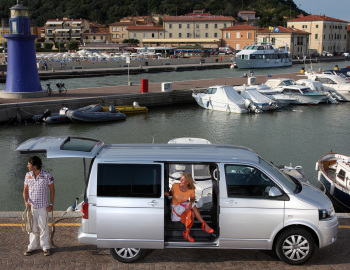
pixel 183 195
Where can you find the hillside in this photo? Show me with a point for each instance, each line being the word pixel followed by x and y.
pixel 105 12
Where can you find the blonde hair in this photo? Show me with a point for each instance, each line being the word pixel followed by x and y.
pixel 189 179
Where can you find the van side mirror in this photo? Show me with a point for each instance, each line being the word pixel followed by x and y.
pixel 275 192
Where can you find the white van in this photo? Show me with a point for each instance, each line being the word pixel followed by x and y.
pixel 250 204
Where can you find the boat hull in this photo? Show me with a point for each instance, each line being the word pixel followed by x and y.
pixel 77 116
pixel 339 192
pixel 218 106
pixel 262 63
pixel 127 109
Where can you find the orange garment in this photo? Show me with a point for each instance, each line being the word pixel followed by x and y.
pixel 179 196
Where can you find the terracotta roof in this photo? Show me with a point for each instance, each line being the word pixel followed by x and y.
pixel 240 27
pixel 246 11
pixel 65 20
pixel 315 18
pixel 282 30
pixel 121 24
pixel 198 18
pixel 144 27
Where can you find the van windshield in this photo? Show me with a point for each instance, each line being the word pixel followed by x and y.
pixel 281 176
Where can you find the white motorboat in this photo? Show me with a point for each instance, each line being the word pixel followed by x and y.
pixel 261 101
pixel 301 94
pixel 333 83
pixel 224 98
pixel 262 55
pixel 318 87
pixel 334 172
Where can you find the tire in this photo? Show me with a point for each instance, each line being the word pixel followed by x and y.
pixel 295 246
pixel 128 255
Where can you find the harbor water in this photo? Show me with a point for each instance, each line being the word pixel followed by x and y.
pixel 297 135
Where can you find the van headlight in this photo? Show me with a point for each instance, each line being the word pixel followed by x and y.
pixel 326 213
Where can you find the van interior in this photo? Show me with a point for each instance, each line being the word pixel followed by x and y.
pixel 206 200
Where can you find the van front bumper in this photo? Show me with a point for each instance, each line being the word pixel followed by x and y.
pixel 87 238
pixel 329 229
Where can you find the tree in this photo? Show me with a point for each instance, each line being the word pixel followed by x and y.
pixel 73 45
pixel 37 45
pixel 48 46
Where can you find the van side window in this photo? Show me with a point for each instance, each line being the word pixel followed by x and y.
pixel 129 180
pixel 247 182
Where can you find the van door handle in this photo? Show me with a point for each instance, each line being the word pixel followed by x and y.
pixel 153 203
pixel 230 202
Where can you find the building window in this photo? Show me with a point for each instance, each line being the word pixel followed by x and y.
pixel 316 36
pixel 188 25
pixel 123 29
pixel 249 35
pixel 153 35
pixel 316 25
pixel 180 25
pixel 238 35
pixel 134 35
pixel 170 25
pixel 123 35
pixel 170 35
pixel 180 35
pixel 273 40
pixel 144 35
pixel 224 25
pixel 206 35
pixel 215 35
pixel 215 25
pixel 188 35
pixel 93 37
pixel 206 26
pixel 227 35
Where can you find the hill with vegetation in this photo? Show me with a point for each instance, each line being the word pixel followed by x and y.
pixel 271 12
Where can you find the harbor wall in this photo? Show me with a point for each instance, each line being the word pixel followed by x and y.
pixel 25 111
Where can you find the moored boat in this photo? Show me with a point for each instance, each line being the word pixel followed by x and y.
pixel 89 116
pixel 334 172
pixel 262 55
pixel 131 109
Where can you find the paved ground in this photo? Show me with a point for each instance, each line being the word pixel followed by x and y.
pixel 67 253
pixel 153 87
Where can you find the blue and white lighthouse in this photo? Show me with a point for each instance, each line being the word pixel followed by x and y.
pixel 22 79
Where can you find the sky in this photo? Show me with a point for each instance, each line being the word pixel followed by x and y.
pixel 338 9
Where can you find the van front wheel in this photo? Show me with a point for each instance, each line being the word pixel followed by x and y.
pixel 295 246
pixel 127 255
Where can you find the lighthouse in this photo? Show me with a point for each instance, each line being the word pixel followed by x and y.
pixel 22 79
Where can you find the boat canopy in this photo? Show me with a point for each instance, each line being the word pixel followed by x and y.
pixel 225 93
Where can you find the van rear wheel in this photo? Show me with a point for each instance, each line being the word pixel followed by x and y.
pixel 295 246
pixel 127 255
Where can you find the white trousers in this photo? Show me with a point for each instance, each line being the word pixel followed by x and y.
pixel 39 219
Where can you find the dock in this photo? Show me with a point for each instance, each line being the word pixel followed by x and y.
pixel 25 108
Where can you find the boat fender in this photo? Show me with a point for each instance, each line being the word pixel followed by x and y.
pixel 232 66
pixel 135 104
pixel 111 109
pixel 316 168
pixel 47 113
pixel 63 111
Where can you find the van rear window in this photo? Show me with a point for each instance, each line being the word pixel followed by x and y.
pixel 129 180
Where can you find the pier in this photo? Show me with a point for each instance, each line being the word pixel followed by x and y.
pixel 25 108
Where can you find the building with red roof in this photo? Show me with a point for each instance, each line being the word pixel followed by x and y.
pixel 327 34
pixel 238 36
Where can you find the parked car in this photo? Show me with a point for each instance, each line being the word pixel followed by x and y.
pixel 324 53
pixel 248 202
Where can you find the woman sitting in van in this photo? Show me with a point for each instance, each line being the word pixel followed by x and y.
pixel 183 199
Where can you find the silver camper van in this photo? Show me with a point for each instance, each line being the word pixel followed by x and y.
pixel 248 202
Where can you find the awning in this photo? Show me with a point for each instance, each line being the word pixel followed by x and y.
pixel 48 23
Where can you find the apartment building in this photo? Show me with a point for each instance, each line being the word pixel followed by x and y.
pixel 118 31
pixel 327 34
pixel 96 34
pixel 196 28
pixel 65 30
pixel 238 36
pixel 145 32
pixel 296 40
